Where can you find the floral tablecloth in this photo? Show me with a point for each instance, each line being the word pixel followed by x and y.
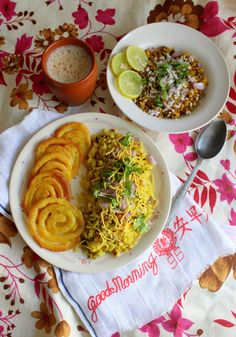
pixel 31 303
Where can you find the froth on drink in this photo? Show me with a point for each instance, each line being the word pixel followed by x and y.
pixel 70 70
pixel 69 64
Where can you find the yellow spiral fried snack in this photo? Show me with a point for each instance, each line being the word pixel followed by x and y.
pixel 46 185
pixel 54 161
pixel 56 224
pixel 78 133
pixel 61 145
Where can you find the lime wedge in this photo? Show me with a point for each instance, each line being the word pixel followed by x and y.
pixel 119 64
pixel 130 84
pixel 136 57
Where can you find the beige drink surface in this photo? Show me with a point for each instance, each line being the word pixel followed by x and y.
pixel 68 64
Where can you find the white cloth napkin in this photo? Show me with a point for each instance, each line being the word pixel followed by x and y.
pixel 12 141
pixel 133 295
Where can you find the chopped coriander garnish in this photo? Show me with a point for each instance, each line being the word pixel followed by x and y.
pixel 164 89
pixel 145 81
pixel 158 102
pixel 126 141
pixel 107 173
pixel 162 70
pixel 126 167
pixel 128 188
pixel 140 225
pixel 182 71
pixel 132 168
pixel 137 169
pixel 114 202
pixel 96 189
pixel 128 170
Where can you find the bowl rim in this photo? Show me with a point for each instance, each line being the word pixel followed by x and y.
pixel 141 120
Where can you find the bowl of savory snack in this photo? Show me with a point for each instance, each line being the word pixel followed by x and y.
pixel 168 77
pixel 90 192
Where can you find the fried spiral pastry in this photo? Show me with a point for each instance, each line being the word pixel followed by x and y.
pixel 62 145
pixel 54 161
pixel 78 133
pixel 53 221
pixel 46 185
pixel 56 224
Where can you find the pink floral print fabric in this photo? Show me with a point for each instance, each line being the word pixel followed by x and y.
pixel 31 302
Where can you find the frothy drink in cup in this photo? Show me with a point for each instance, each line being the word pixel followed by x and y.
pixel 70 70
pixel 69 64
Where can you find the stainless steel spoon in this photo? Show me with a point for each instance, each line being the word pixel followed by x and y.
pixel 208 144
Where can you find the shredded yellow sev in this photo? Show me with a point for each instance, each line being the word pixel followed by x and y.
pixel 119 202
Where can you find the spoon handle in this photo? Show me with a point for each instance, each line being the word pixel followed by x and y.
pixel 178 198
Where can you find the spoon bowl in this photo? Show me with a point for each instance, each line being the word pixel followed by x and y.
pixel 211 139
pixel 208 144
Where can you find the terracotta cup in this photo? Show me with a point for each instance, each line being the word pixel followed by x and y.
pixel 74 93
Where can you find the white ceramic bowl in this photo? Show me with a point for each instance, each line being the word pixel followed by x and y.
pixel 77 261
pixel 182 38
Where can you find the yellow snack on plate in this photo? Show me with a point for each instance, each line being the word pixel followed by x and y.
pixel 78 133
pixel 54 161
pixel 56 224
pixel 46 185
pixel 66 146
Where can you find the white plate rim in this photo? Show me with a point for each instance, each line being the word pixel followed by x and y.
pixel 15 200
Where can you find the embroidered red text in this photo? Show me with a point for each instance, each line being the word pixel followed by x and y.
pixel 118 284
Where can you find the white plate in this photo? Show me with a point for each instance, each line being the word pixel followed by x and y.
pixel 77 261
pixel 182 38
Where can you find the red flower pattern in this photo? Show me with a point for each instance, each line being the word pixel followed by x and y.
pixel 177 324
pixel 116 334
pixel 152 328
pixel 39 86
pixel 96 42
pixel 225 164
pixel 226 189
pixel 81 17
pixel 232 221
pixel 181 141
pixel 212 24
pixel 7 8
pixel 106 16
pixel 23 43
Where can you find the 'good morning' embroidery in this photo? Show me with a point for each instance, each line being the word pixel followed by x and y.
pixel 118 284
